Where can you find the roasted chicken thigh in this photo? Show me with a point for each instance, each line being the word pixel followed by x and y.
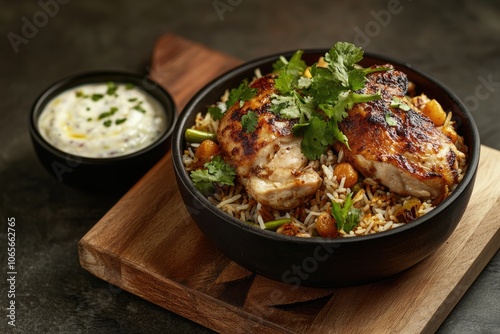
pixel 396 144
pixel 268 161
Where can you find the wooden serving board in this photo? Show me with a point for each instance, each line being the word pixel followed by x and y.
pixel 148 245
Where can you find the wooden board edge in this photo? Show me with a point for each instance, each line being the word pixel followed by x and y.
pixel 477 265
pixel 173 296
pixel 173 78
pixel 99 262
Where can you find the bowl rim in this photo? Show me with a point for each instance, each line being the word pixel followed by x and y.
pixel 143 82
pixel 178 145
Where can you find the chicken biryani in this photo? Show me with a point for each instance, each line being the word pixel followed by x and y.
pixel 328 150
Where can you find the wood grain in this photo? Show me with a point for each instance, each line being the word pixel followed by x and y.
pixel 148 245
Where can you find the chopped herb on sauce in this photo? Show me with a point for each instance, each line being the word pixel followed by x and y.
pixel 139 108
pixel 109 113
pixel 96 97
pixel 112 87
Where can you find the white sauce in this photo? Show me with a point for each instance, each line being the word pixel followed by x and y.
pixel 102 120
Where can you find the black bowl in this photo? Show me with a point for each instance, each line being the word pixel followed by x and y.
pixel 101 174
pixel 317 261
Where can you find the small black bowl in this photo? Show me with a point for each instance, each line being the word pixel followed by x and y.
pixel 101 174
pixel 317 261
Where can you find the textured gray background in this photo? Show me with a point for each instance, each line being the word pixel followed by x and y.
pixel 457 42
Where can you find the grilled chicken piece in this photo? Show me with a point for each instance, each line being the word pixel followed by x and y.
pixel 268 161
pixel 413 157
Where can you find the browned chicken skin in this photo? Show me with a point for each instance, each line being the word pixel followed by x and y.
pixel 268 161
pixel 413 157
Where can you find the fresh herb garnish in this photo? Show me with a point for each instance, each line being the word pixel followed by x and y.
pixel 289 72
pixel 96 97
pixel 139 108
pixel 120 121
pixel 132 99
pixel 399 103
pixel 129 86
pixel 107 123
pixel 217 111
pixel 216 171
pixel 346 216
pixel 390 119
pixel 79 93
pixel 109 113
pixel 242 93
pixel 317 136
pixel 331 89
pixel 249 121
pixel 112 87
pixel 293 106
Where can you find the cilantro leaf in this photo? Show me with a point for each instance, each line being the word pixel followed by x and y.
pixel 279 64
pixel 324 88
pixel 346 100
pixel 338 135
pixel 292 106
pixel 283 82
pixel 112 87
pixel 346 216
pixel 356 78
pixel 249 121
pixel 341 59
pixel 290 73
pixel 399 103
pixel 96 97
pixel 139 108
pixel 109 113
pixel 390 119
pixel 284 105
pixel 216 171
pixel 317 136
pixel 217 111
pixel 243 93
pixel 304 82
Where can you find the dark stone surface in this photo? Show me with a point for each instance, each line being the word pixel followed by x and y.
pixel 458 42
